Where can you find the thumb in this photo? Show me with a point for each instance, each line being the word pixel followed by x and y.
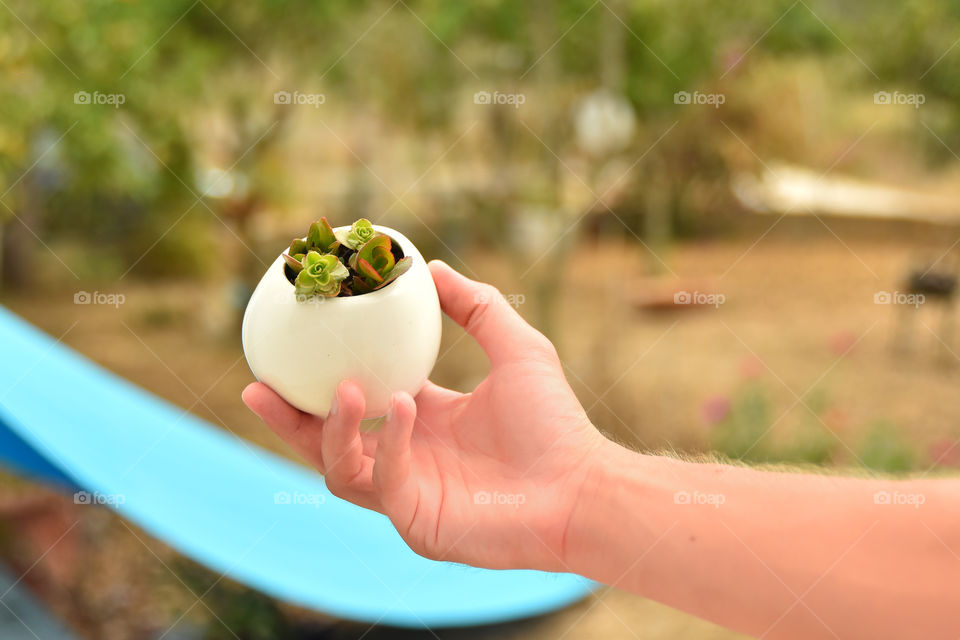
pixel 487 316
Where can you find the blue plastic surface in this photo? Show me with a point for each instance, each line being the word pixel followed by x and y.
pixel 21 457
pixel 235 507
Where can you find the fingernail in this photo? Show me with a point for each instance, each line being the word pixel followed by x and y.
pixel 335 405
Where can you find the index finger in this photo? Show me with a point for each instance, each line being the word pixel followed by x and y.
pixel 302 431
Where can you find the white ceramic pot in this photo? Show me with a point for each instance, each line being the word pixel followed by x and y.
pixel 386 340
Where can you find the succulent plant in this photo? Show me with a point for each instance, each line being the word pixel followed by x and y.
pixel 320 238
pixel 375 265
pixel 321 274
pixel 359 233
pixel 351 262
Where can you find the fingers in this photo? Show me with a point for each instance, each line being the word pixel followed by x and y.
pixel 482 311
pixel 349 473
pixel 281 417
pixel 398 495
pixel 302 431
pixel 392 467
pixel 298 429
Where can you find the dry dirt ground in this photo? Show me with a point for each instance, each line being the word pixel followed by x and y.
pixel 793 301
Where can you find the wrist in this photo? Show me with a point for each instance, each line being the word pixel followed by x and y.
pixel 620 512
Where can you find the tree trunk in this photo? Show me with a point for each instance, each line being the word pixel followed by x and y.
pixel 17 244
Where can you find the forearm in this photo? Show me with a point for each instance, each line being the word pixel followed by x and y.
pixel 777 554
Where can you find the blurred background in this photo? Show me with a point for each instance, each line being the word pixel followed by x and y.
pixel 737 221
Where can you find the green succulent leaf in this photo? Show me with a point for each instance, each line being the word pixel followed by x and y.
pixel 382 260
pixel 321 274
pixel 360 232
pixel 297 246
pixel 304 284
pixel 368 272
pixel 293 263
pixel 359 285
pixel 375 251
pixel 320 236
pixel 398 270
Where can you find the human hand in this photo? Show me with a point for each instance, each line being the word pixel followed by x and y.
pixel 488 478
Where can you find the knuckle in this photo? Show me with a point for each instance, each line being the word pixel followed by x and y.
pixel 339 480
pixel 484 298
pixel 336 485
pixel 422 548
pixel 541 346
pixel 486 293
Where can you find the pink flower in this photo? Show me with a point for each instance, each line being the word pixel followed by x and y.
pixel 836 418
pixel 715 409
pixel 841 342
pixel 945 453
pixel 752 367
pixel 732 54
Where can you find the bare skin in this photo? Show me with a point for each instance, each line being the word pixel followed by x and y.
pixel 514 475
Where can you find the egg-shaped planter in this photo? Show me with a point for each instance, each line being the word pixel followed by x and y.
pixel 386 340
